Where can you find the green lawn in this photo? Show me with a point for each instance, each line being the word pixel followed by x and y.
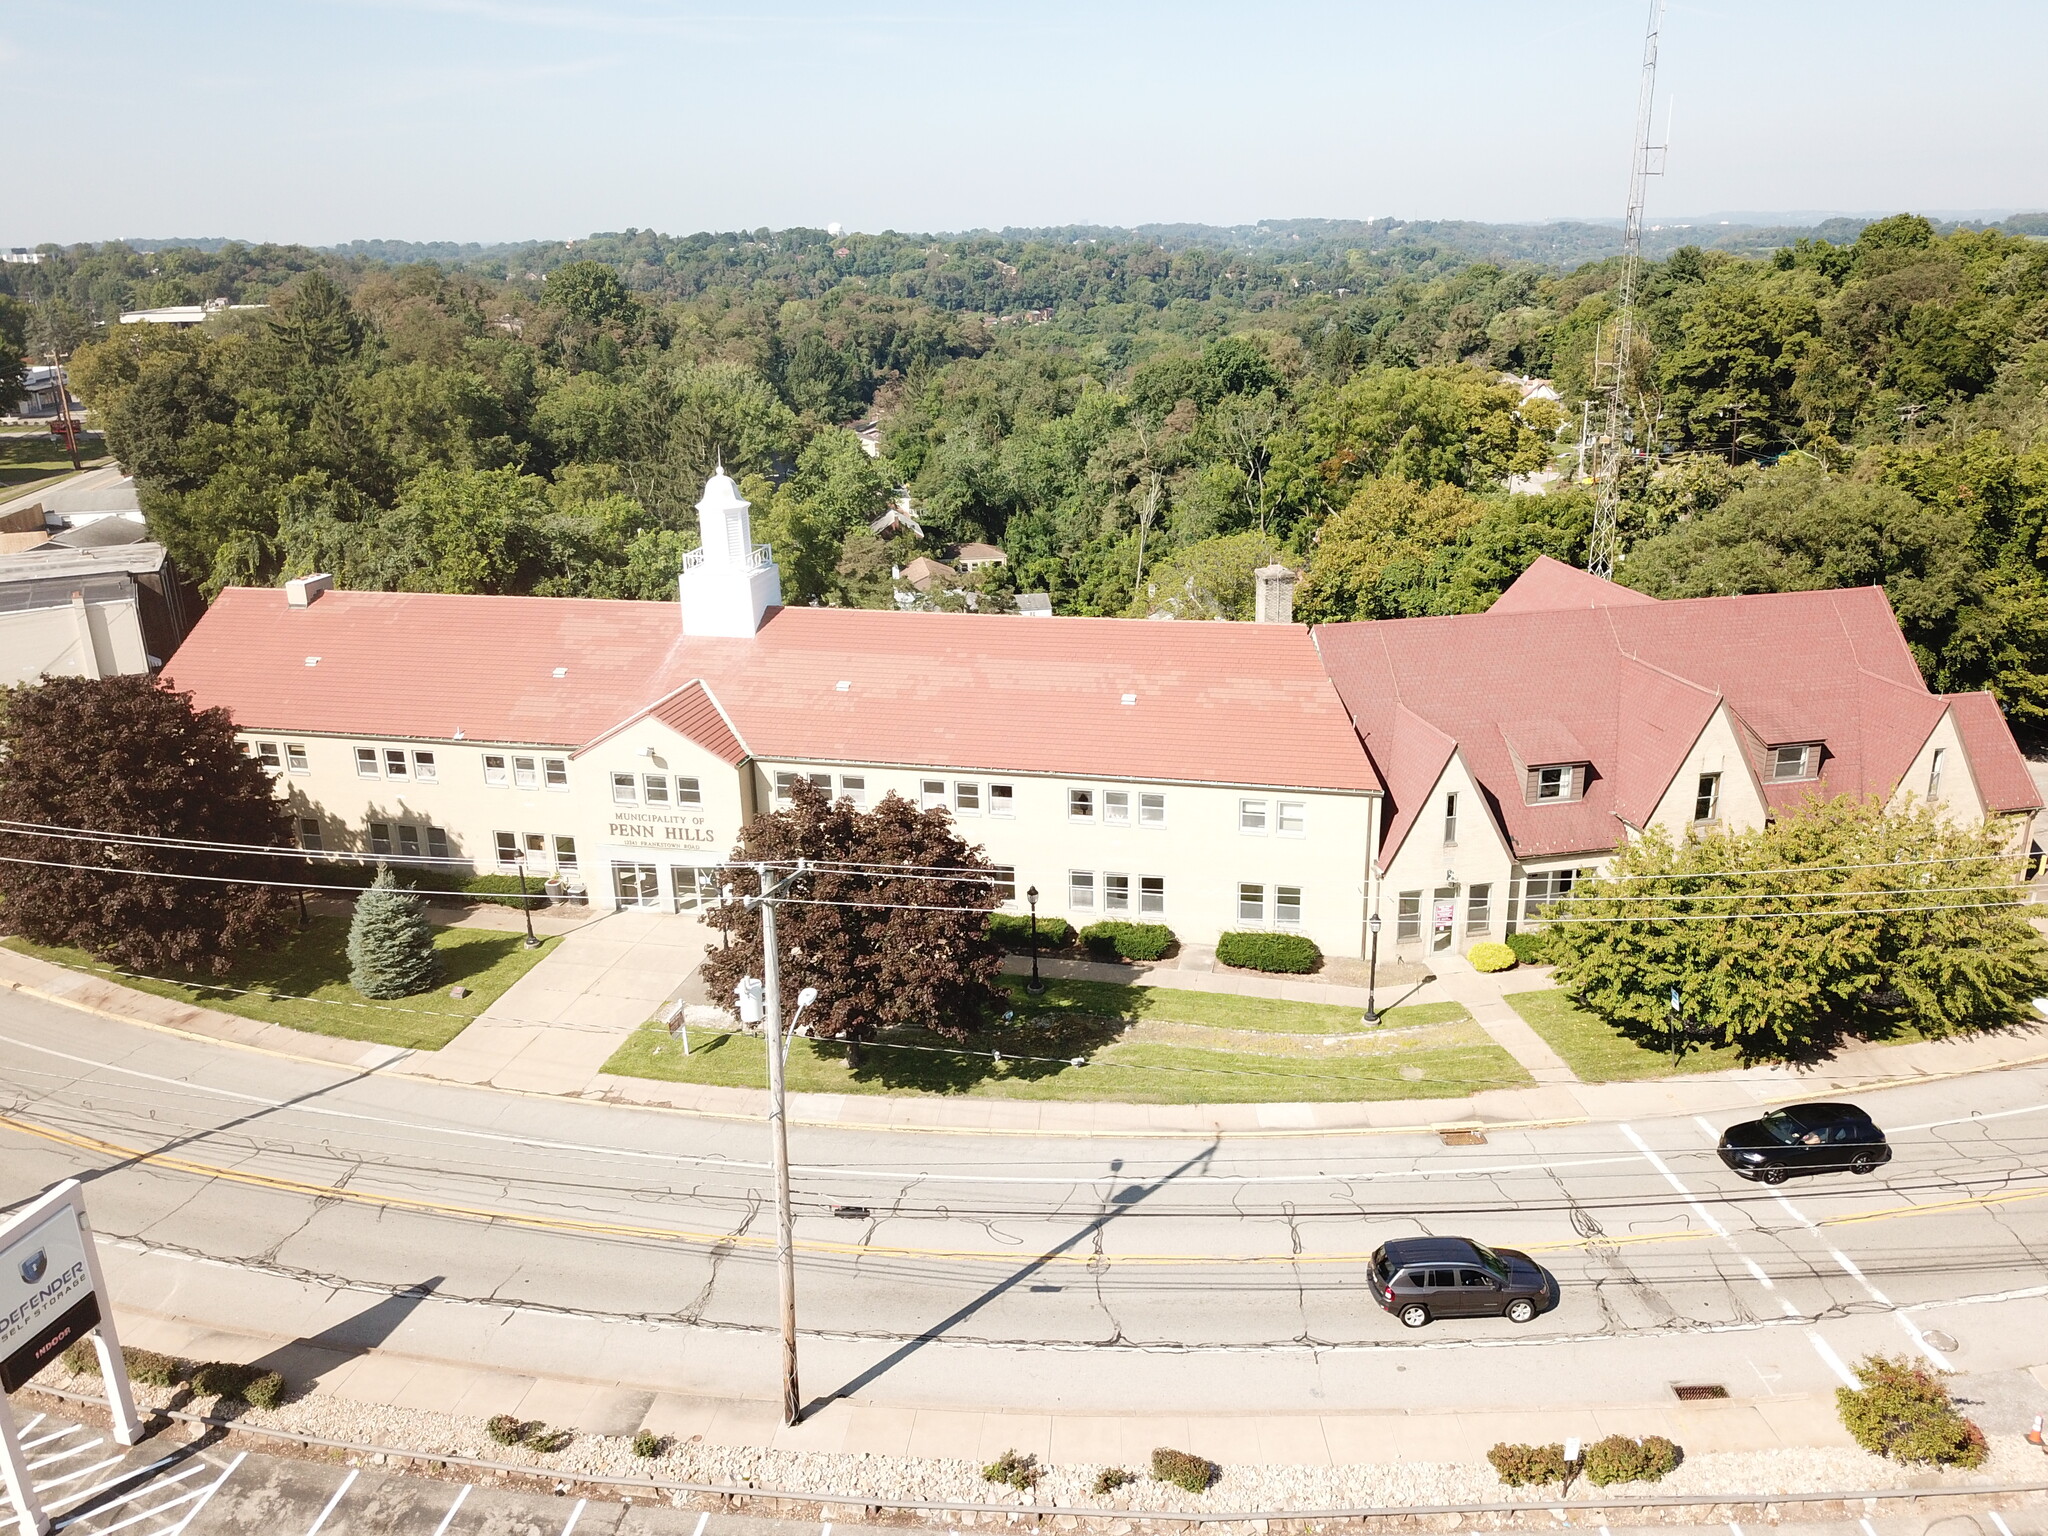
pixel 312 968
pixel 1597 1053
pixel 29 458
pixel 1434 1051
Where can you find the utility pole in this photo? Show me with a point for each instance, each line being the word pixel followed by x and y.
pixel 1612 448
pixel 778 1134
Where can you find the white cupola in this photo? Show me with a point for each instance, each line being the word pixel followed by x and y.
pixel 728 581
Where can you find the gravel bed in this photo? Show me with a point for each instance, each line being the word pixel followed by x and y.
pixel 849 1476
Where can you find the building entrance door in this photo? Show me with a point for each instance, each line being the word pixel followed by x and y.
pixel 1443 917
pixel 695 888
pixel 636 885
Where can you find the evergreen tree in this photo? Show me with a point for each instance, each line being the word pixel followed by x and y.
pixel 390 943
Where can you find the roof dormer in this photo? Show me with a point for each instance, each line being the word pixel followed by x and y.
pixel 1553 763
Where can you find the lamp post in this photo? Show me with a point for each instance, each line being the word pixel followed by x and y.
pixel 1372 973
pixel 525 907
pixel 1035 986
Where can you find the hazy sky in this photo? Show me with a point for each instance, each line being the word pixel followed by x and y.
pixel 327 120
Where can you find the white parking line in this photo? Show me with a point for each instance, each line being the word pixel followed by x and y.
pixel 448 1519
pixel 113 1482
pixel 55 1434
pixel 346 1484
pixel 702 1521
pixel 72 1477
pixel 1868 1528
pixel 1849 1268
pixel 79 1512
pixel 1672 1179
pixel 226 1472
pixel 65 1455
pixel 1833 1361
pixel 574 1515
pixel 1999 1520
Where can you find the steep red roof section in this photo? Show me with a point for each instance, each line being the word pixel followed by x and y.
pixel 2002 776
pixel 694 713
pixel 1218 703
pixel 1550 586
pixel 1634 683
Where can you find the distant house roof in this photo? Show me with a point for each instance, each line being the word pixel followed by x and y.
pixel 53 561
pixel 1035 605
pixel 1567 668
pixel 970 555
pixel 924 573
pixel 900 518
pixel 1214 703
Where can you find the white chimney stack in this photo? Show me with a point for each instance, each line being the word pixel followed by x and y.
pixel 728 582
pixel 1275 595
pixel 300 591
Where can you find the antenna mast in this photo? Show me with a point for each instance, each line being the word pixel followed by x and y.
pixel 1610 451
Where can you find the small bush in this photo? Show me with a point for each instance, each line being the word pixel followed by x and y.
pixel 1109 1479
pixel 1293 953
pixel 499 890
pixel 1618 1459
pixel 1903 1412
pixel 648 1443
pixel 1014 932
pixel 1530 948
pixel 1012 1470
pixel 148 1367
pixel 79 1358
pixel 1521 1465
pixel 231 1382
pixel 1114 940
pixel 548 1441
pixel 505 1428
pixel 1194 1473
pixel 1489 956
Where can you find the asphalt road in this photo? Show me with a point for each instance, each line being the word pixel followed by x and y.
pixel 1130 1274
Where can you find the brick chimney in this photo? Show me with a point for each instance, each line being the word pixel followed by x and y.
pixel 1276 594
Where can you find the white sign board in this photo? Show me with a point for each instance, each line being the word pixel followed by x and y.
pixel 46 1296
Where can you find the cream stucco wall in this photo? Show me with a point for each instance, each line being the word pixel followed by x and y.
pixel 1479 857
pixel 1957 794
pixel 1719 749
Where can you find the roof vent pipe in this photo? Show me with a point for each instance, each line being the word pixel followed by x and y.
pixel 300 591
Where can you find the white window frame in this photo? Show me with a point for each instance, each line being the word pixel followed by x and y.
pixel 397 765
pixel 369 763
pixel 497 768
pixel 1563 786
pixel 554 773
pixel 1116 807
pixel 785 785
pixel 426 768
pixel 535 846
pixel 525 772
pixel 565 853
pixel 295 759
pixel 311 838
pixel 966 798
pixel 1451 819
pixel 1709 791
pixel 1478 908
pixel 380 838
pixel 654 788
pixel 689 791
pixel 1080 890
pixel 1251 903
pixel 1935 764
pixel 268 754
pixel 1408 917
pixel 1281 817
pixel 1809 762
pixel 1002 800
pixel 437 841
pixel 1281 905
pixel 1254 817
pixel 854 787
pixel 1005 882
pixel 1080 803
pixel 1116 892
pixel 625 789
pixel 931 794
pixel 1151 895
pixel 505 847
pixel 1152 808
pixel 408 839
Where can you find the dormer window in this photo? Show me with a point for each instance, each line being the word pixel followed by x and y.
pixel 1554 783
pixel 1798 761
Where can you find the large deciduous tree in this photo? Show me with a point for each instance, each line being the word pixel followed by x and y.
pixel 913 951
pixel 124 758
pixel 1837 921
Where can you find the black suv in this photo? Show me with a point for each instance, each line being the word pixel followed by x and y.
pixel 1419 1279
pixel 1804 1138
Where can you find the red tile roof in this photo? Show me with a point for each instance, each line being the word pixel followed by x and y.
pixel 2003 778
pixel 1634 682
pixel 1550 585
pixel 1220 703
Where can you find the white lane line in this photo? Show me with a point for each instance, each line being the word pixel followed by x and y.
pixel 1996 1114
pixel 448 1519
pixel 1672 1179
pixel 1849 1267
pixel 226 1473
pixel 1795 1213
pixel 346 1483
pixel 819 1171
pixel 1756 1272
pixel 1833 1361
pixel 574 1515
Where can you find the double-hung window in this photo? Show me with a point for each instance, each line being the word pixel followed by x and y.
pixel 1251 903
pixel 268 755
pixel 1479 908
pixel 565 854
pixel 1795 762
pixel 656 787
pixel 625 789
pixel 785 785
pixel 1287 906
pixel 366 763
pixel 688 791
pixel 556 772
pixel 852 786
pixel 525 772
pixel 1934 767
pixel 1081 890
pixel 309 834
pixel 1116 808
pixel 1706 800
pixel 1002 800
pixel 295 757
pixel 1292 817
pixel 1541 889
pixel 967 799
pixel 395 764
pixel 508 849
pixel 1451 820
pixel 932 794
pixel 425 768
pixel 1003 880
pixel 1080 805
pixel 380 837
pixel 408 840
pixel 1116 893
pixel 1152 894
pixel 437 843
pixel 1408 917
pixel 1151 809
pixel 494 768
pixel 1251 817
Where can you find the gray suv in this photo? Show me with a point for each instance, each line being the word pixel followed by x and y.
pixel 1420 1279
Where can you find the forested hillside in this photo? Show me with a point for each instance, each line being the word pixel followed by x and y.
pixel 1138 421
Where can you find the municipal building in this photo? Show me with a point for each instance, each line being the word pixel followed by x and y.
pixel 1452 774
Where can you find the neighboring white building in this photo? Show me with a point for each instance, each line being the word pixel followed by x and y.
pixel 1204 776
pixel 88 612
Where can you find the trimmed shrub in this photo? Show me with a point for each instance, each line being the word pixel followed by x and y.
pixel 235 1383
pixel 144 1365
pixel 1489 956
pixel 1114 940
pixel 1109 1479
pixel 390 943
pixel 80 1358
pixel 648 1443
pixel 1521 1465
pixel 266 1391
pixel 548 1441
pixel 1194 1473
pixel 1618 1459
pixel 1904 1412
pixel 505 1428
pixel 501 890
pixel 1293 953
pixel 1530 948
pixel 1014 932
pixel 1012 1470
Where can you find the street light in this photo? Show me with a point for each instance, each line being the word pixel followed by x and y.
pixel 1035 986
pixel 1372 974
pixel 519 863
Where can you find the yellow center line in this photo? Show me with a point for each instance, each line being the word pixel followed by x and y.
pixel 144 1157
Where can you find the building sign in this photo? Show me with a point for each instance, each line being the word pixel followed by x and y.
pixel 665 832
pixel 1446 915
pixel 47 1300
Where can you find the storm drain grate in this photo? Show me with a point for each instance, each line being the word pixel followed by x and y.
pixel 1462 1136
pixel 852 1212
pixel 1699 1391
